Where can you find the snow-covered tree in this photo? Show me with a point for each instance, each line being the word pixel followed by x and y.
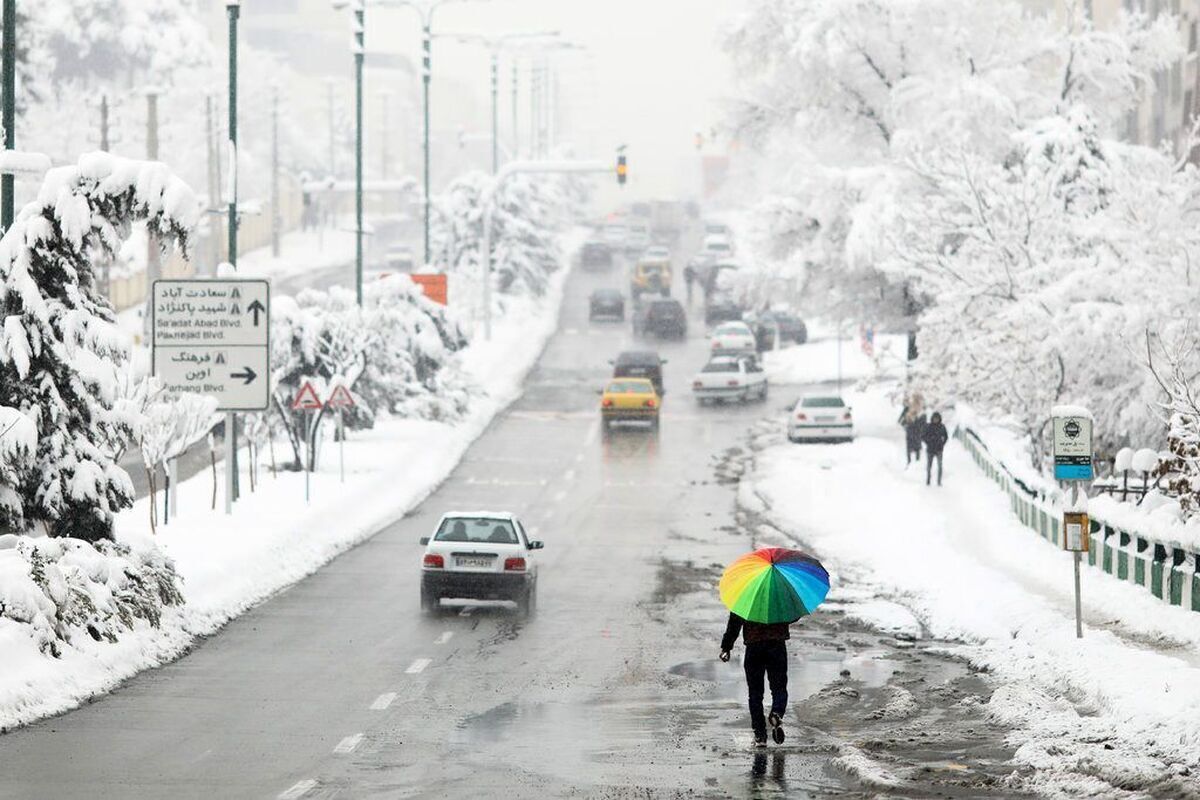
pixel 60 350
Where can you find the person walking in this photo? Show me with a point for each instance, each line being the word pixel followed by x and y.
pixel 689 278
pixel 766 656
pixel 935 438
pixel 912 419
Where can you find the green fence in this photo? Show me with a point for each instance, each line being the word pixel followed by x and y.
pixel 1165 570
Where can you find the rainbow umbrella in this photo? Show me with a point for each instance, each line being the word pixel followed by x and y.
pixel 774 584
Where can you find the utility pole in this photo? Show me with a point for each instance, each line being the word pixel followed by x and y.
pixel 275 220
pixel 104 143
pixel 231 467
pixel 332 131
pixel 516 83
pixel 533 108
pixel 495 110
pixel 360 8
pixel 212 141
pixel 426 75
pixel 153 256
pixel 385 134
pixel 8 99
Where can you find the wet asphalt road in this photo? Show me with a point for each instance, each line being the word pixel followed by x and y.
pixel 340 687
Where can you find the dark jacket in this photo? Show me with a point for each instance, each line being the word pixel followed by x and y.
pixel 935 436
pixel 753 632
pixel 914 430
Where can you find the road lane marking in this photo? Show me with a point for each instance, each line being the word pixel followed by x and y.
pixel 592 431
pixel 578 458
pixel 445 637
pixel 418 666
pixel 569 475
pixel 383 701
pixel 348 744
pixel 467 611
pixel 560 495
pixel 298 790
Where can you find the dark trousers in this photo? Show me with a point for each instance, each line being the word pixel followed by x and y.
pixel 929 457
pixel 767 659
pixel 914 452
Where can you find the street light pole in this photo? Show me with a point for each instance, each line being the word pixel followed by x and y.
pixel 231 448
pixel 495 110
pixel 360 8
pixel 426 76
pixel 8 66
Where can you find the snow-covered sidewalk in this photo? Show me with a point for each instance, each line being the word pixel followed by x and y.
pixel 229 563
pixel 1119 708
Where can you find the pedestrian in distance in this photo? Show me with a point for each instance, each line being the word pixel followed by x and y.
pixel 935 437
pixel 689 278
pixel 766 657
pixel 912 419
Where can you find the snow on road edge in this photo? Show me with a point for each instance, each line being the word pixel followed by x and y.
pixel 275 540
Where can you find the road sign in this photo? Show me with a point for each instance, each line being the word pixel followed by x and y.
pixel 341 398
pixel 433 285
pixel 1076 531
pixel 1072 445
pixel 306 399
pixel 213 337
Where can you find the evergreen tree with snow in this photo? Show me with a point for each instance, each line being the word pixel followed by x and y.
pixel 60 349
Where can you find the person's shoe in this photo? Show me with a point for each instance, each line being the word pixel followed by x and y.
pixel 760 739
pixel 776 727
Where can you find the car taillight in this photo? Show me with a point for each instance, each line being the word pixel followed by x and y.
pixel 434 561
pixel 697 384
pixel 606 402
pixel 716 345
pixel 801 417
pixel 514 565
pixel 651 403
pixel 846 416
pixel 731 383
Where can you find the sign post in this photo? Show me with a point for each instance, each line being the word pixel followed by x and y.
pixel 1073 449
pixel 341 399
pixel 212 337
pixel 307 399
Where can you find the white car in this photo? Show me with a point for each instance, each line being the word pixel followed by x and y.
pixel 657 253
pixel 730 378
pixel 479 555
pixel 733 338
pixel 638 238
pixel 821 418
pixel 615 234
pixel 716 246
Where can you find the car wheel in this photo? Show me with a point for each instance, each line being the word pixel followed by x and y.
pixel 430 602
pixel 762 393
pixel 665 291
pixel 654 424
pixel 527 601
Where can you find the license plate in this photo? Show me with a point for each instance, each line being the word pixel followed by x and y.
pixel 473 562
pixel 824 419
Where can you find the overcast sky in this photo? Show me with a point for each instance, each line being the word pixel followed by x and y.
pixel 653 73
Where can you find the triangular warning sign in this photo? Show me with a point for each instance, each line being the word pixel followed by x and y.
pixel 306 399
pixel 236 293
pixel 341 398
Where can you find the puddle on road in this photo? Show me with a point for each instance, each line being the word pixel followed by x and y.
pixel 809 671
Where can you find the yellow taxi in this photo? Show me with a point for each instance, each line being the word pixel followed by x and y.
pixel 629 400
pixel 651 275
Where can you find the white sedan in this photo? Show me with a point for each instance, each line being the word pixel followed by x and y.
pixel 730 378
pixel 479 555
pixel 821 418
pixel 733 338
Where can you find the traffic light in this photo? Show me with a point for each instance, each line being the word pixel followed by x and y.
pixel 622 169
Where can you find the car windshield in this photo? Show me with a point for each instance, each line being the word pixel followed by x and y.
pixel 629 387
pixel 482 530
pixel 822 402
pixel 721 366
pixel 717 247
pixel 732 328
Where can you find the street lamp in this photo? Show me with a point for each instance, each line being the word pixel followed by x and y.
pixel 8 79
pixel 495 44
pixel 359 7
pixel 539 84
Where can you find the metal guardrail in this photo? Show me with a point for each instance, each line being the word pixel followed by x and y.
pixel 1166 570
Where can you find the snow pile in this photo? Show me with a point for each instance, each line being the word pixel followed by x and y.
pixel 1119 708
pixel 58 593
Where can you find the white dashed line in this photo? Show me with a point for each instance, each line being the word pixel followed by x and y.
pixel 467 611
pixel 592 432
pixel 569 475
pixel 300 789
pixel 418 666
pixel 445 637
pixel 348 744
pixel 383 701
pixel 560 495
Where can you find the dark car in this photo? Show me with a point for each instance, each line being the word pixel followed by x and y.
pixel 640 364
pixel 663 318
pixel 596 255
pixel 607 304
pixel 791 328
pixel 719 307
